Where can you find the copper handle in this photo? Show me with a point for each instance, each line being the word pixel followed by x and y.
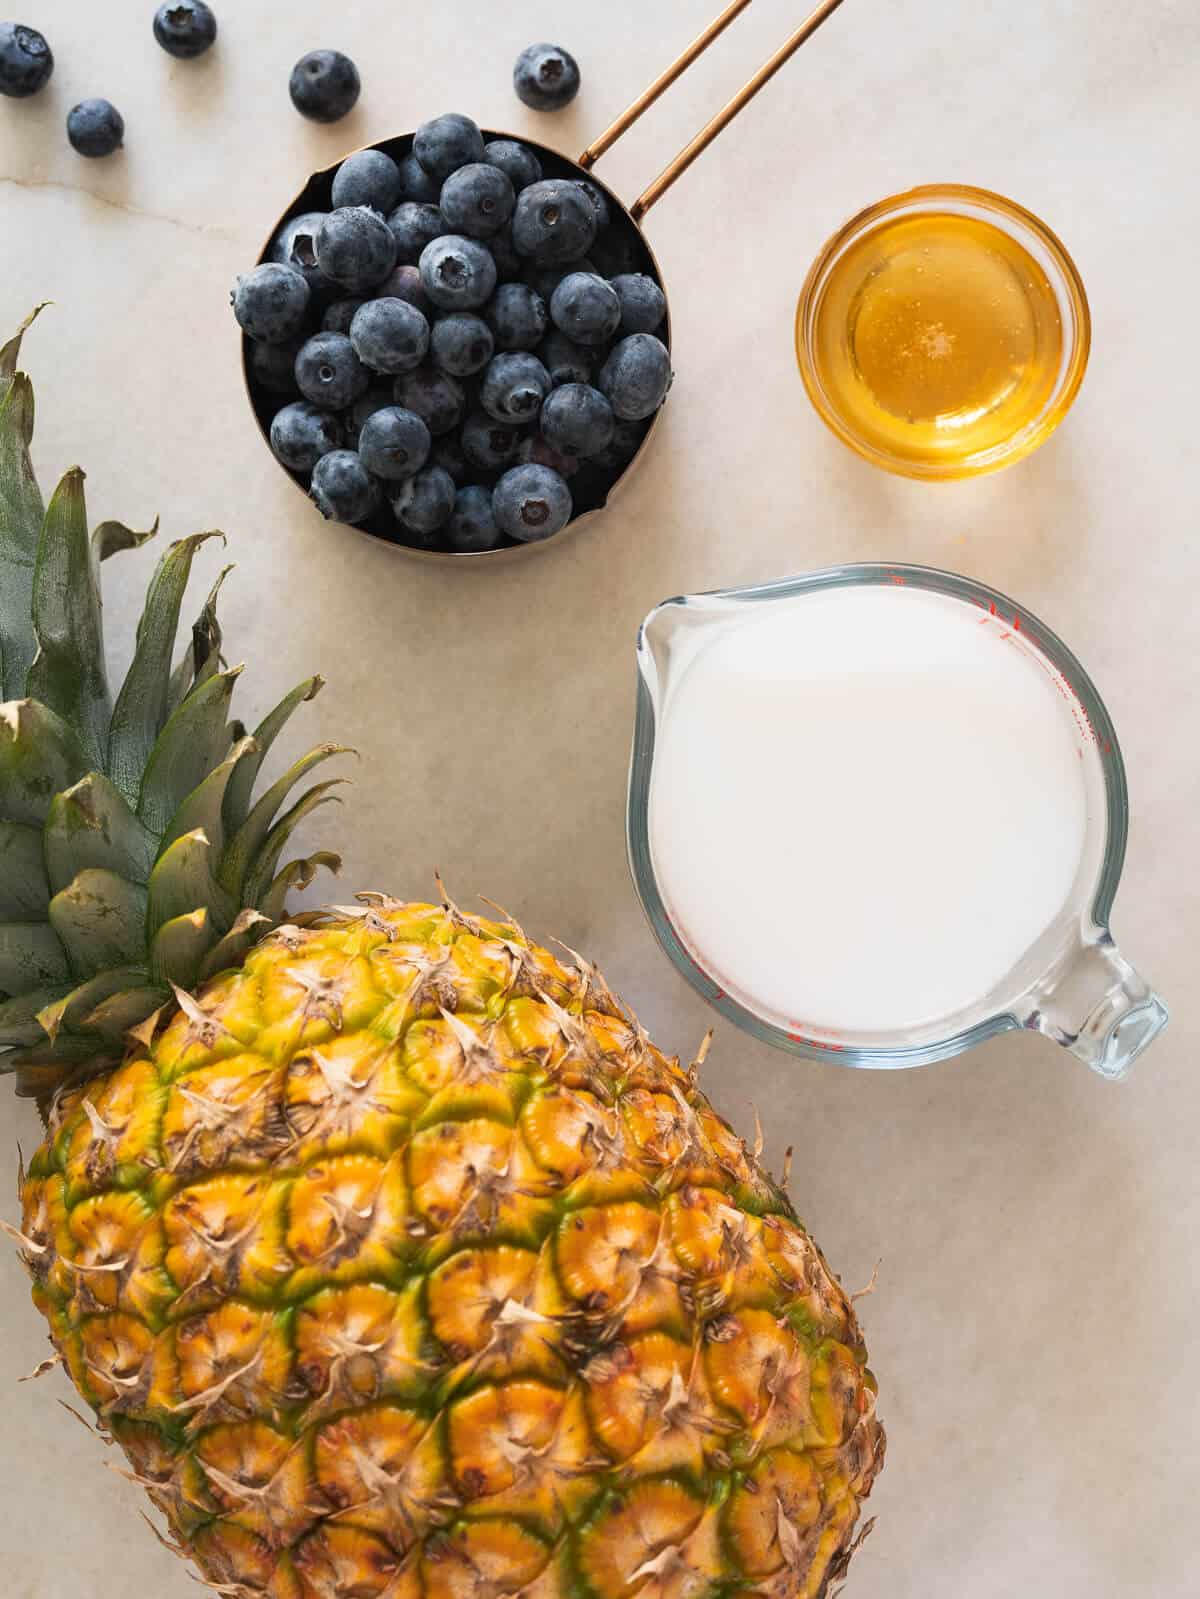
pixel 723 118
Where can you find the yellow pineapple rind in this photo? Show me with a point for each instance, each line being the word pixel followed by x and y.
pixel 401 1263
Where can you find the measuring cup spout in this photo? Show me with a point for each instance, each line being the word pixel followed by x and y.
pixel 1095 1004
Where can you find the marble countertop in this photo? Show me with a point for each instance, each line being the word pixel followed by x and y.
pixel 1034 1328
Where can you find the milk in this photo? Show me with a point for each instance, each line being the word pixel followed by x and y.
pixel 866 805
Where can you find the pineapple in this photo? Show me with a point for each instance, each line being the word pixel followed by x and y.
pixel 394 1256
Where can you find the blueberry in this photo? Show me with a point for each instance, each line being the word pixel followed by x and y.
pixel 301 435
pixel 394 443
pixel 26 60
pixel 271 302
pixel 273 366
pixel 434 396
pixel 636 376
pixel 423 503
pixel 508 262
pixel 532 502
pixel 338 316
pixel 577 420
pixel 472 526
pixel 355 248
pixel 487 443
pixel 461 344
pixel 626 442
pixel 598 200
pixel 554 221
pixel 404 283
pixel 447 143
pixel 415 224
pixel 545 279
pixel 517 317
pixel 459 274
pixel 514 386
pixel 448 454
pixel 342 488
pixel 643 304
pixel 296 246
pixel 565 361
pixel 546 77
pixel 536 449
pixel 365 406
pixel 415 182
pixel 185 28
pixel 369 177
pixel 477 200
pixel 585 308
pixel 325 85
pixel 95 128
pixel 516 161
pixel 389 336
pixel 329 373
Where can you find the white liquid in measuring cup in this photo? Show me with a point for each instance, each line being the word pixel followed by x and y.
pixel 866 805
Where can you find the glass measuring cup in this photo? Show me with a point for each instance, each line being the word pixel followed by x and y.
pixel 1072 983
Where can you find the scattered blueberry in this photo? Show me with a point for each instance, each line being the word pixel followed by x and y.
pixel 477 200
pixel 546 77
pixel 325 85
pixel 436 397
pixel 447 143
pixel 472 526
pixel 271 302
pixel 599 201
pixel 487 443
pixel 565 361
pixel 577 420
pixel 516 161
pixel 296 245
pixel 337 317
pixel 459 274
pixel 369 177
pixel 356 248
pixel 389 336
pixel 404 283
pixel 554 221
pixel 461 344
pixel 517 317
pixel 273 366
pixel 95 128
pixel 514 386
pixel 394 443
pixel 329 373
pixel 423 503
pixel 185 28
pixel 365 406
pixel 414 224
pixel 532 502
pixel 448 454
pixel 342 488
pixel 301 434
pixel 585 308
pixel 636 376
pixel 643 304
pixel 26 60
pixel 416 183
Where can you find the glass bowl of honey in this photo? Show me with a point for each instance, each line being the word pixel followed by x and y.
pixel 943 332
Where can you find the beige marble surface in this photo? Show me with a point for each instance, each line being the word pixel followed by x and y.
pixel 1034 1330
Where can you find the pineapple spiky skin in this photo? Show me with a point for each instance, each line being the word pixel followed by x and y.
pixel 401 1263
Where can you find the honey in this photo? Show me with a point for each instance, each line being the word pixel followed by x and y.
pixel 937 340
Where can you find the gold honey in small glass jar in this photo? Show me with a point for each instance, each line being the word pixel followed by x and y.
pixel 943 332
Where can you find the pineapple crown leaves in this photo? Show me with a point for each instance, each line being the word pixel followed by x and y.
pixel 136 858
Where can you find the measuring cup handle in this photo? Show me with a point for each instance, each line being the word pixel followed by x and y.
pixel 1096 1005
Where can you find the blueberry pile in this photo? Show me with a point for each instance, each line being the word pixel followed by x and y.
pixel 455 344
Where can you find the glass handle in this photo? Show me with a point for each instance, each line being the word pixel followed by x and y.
pixel 1095 1004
